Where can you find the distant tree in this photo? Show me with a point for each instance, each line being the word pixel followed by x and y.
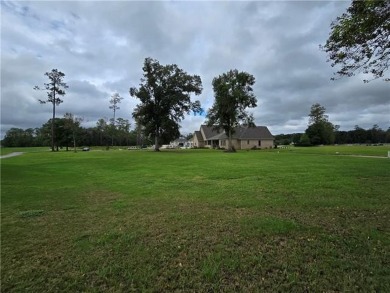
pixel 387 135
pixel 360 39
pixel 55 89
pixel 62 134
pixel 320 130
pixel 304 140
pixel 39 139
pixel 375 132
pixel 317 114
pixel 72 126
pixel 165 93
pixel 123 130
pixel 102 128
pixel 140 135
pixel 16 137
pixel 189 136
pixel 233 93
pixel 360 135
pixel 115 101
pixel 296 137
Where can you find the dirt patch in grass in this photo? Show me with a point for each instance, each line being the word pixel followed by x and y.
pixel 31 213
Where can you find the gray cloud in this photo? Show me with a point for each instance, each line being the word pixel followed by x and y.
pixel 101 46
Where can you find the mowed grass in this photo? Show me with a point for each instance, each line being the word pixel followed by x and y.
pixel 194 221
pixel 354 150
pixel 6 150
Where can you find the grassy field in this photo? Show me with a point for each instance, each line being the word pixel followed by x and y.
pixel 360 150
pixel 196 221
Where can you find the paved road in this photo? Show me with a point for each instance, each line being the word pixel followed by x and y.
pixel 11 155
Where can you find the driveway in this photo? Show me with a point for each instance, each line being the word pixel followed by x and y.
pixel 11 155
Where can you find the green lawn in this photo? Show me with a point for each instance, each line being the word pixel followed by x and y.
pixel 200 221
pixel 361 150
pixel 6 151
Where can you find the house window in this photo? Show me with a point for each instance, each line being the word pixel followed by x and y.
pixel 247 141
pixel 259 142
pixel 222 143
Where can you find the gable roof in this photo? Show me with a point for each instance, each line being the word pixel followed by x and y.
pixel 208 131
pixel 240 132
pixel 198 136
pixel 253 132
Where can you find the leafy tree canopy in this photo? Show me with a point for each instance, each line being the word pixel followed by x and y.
pixel 233 94
pixel 360 39
pixel 165 96
pixel 320 130
pixel 317 114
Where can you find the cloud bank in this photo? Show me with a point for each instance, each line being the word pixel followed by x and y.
pixel 101 46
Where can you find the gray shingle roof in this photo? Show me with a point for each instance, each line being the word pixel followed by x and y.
pixel 241 132
pixel 253 133
pixel 208 131
pixel 198 135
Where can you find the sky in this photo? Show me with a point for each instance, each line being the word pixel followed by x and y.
pixel 101 47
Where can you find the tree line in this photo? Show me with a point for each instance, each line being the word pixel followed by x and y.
pixel 371 136
pixel 70 134
pixel 321 131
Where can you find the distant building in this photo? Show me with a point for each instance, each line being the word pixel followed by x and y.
pixel 182 143
pixel 244 137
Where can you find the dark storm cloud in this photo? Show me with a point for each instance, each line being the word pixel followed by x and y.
pixel 101 46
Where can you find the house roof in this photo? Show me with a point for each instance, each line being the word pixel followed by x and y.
pixel 220 135
pixel 198 135
pixel 254 133
pixel 209 131
pixel 181 139
pixel 241 132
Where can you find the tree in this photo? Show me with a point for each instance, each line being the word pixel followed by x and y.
pixel 165 95
pixel 55 89
pixel 115 100
pixel 320 130
pixel 360 39
pixel 140 136
pixel 17 137
pixel 72 126
pixel 101 126
pixel 189 136
pixel 61 134
pixel 375 133
pixel 123 130
pixel 360 135
pixel 304 140
pixel 317 114
pixel 233 94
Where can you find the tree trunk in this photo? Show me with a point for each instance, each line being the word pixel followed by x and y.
pixel 74 143
pixel 52 125
pixel 113 129
pixel 156 146
pixel 230 143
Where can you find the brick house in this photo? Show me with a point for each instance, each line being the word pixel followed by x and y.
pixel 243 138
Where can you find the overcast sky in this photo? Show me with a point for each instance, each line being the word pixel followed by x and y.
pixel 101 47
